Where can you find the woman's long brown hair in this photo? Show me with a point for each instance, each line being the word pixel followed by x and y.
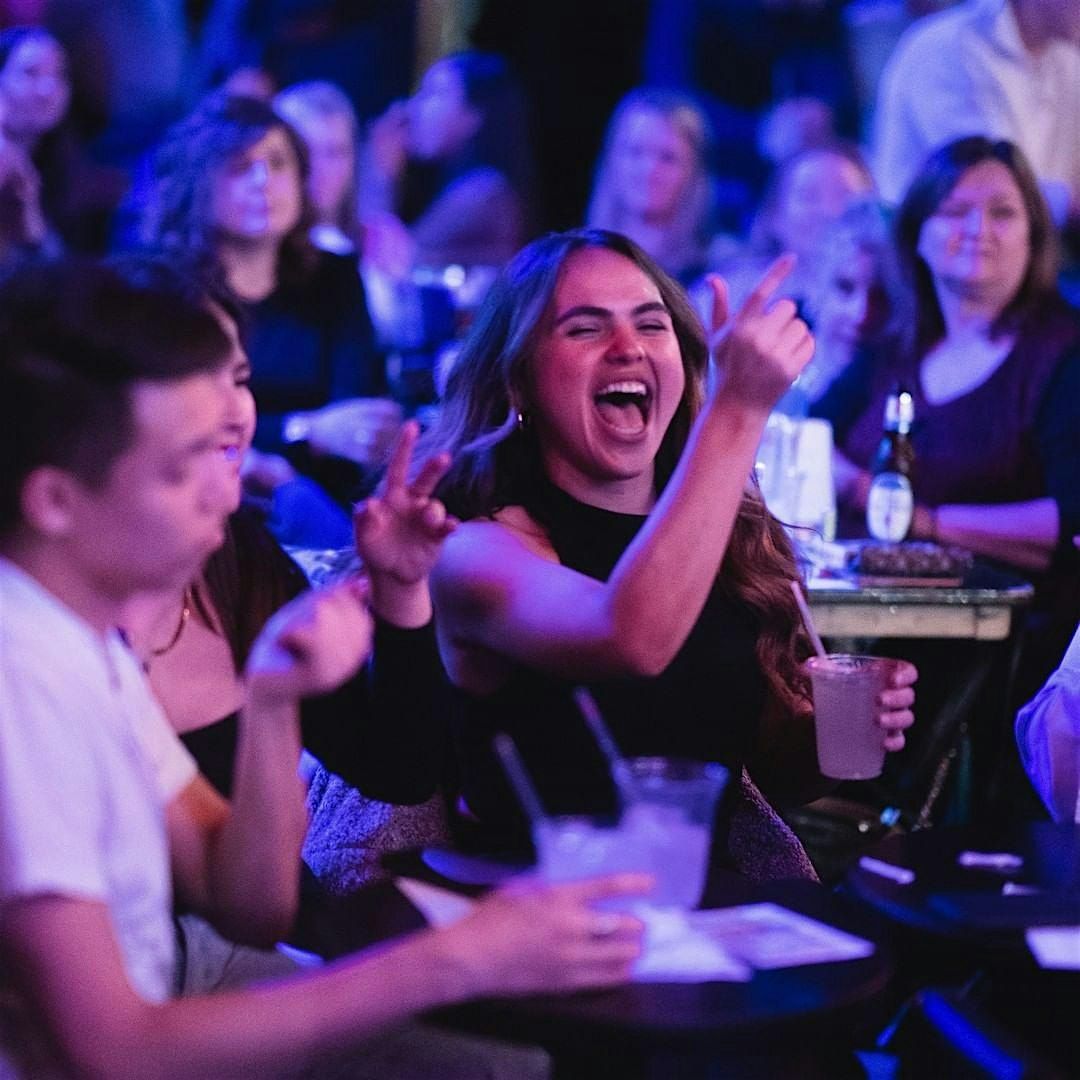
pixel 496 460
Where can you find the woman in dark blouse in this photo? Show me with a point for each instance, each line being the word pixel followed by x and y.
pixel 992 359
pixel 230 196
pixel 611 537
pixel 379 731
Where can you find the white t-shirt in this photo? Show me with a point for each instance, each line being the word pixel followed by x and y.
pixel 88 763
pixel 1048 734
pixel 966 71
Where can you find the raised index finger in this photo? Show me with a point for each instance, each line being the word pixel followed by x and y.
pixel 397 471
pixel 763 292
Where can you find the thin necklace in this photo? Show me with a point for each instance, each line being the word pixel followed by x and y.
pixel 185 615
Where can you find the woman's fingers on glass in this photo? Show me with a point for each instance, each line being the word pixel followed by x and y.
pixel 903 673
pixel 900 697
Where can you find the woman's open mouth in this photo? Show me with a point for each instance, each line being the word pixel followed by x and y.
pixel 624 406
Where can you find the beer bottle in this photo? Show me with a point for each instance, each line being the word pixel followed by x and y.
pixel 891 502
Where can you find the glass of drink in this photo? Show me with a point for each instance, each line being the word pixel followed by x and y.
pixel 577 847
pixel 850 745
pixel 670 806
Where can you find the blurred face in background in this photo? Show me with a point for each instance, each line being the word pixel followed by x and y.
pixel 652 164
pixel 256 194
pixel 819 188
pixel 441 120
pixel 853 305
pixel 978 240
pixel 34 87
pixel 331 159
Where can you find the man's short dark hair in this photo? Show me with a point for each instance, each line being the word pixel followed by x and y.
pixel 75 338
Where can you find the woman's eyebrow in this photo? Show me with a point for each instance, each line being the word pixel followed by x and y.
pixel 606 313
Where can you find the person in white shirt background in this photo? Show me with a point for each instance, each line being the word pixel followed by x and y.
pixel 1048 734
pixel 1007 69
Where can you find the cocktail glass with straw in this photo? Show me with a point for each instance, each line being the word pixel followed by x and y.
pixel 850 744
pixel 575 847
pixel 668 807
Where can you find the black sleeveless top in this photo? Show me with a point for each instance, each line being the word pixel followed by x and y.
pixel 706 705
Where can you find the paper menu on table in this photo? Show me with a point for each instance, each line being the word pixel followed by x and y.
pixel 440 907
pixel 1055 947
pixel 677 951
pixel 770 936
pixel 721 945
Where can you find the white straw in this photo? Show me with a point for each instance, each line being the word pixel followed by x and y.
pixel 620 770
pixel 808 619
pixel 519 778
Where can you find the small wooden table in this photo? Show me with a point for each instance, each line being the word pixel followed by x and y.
pixel 983 608
pixel 797 1022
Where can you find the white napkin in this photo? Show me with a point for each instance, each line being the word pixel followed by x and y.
pixel 439 906
pixel 676 951
pixel 1055 946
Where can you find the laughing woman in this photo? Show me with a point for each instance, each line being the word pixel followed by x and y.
pixel 612 538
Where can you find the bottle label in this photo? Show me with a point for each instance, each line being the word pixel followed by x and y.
pixel 889 507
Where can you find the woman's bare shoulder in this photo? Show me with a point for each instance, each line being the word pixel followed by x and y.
pixel 487 542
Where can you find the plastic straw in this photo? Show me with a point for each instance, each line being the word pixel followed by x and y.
pixel 808 620
pixel 624 779
pixel 519 778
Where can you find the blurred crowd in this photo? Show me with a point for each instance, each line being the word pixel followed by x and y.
pixel 769 212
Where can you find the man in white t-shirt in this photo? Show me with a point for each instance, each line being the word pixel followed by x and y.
pixel 113 482
pixel 1048 734
pixel 1007 69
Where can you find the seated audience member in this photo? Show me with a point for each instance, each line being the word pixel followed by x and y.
pixel 23 229
pixel 793 126
pixel 1048 734
pixel 77 197
pixel 324 118
pixel 1007 69
pixel 856 299
pixel 114 483
pixel 452 163
pixel 231 198
pixel 991 358
pixel 652 180
pixel 807 193
pixel 411 320
pixel 377 732
pixel 612 536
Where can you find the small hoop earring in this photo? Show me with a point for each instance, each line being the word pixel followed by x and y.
pixel 522 420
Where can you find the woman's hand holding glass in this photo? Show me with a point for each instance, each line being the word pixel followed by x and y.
pixel 760 350
pixel 895 704
pixel 528 938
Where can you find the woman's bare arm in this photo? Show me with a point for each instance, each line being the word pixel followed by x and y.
pixel 497 596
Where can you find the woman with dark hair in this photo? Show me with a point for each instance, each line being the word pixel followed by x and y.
pixel 378 731
pixel 231 198
pixel 653 182
pixel 991 358
pixel 78 198
pixel 453 164
pixel 612 534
